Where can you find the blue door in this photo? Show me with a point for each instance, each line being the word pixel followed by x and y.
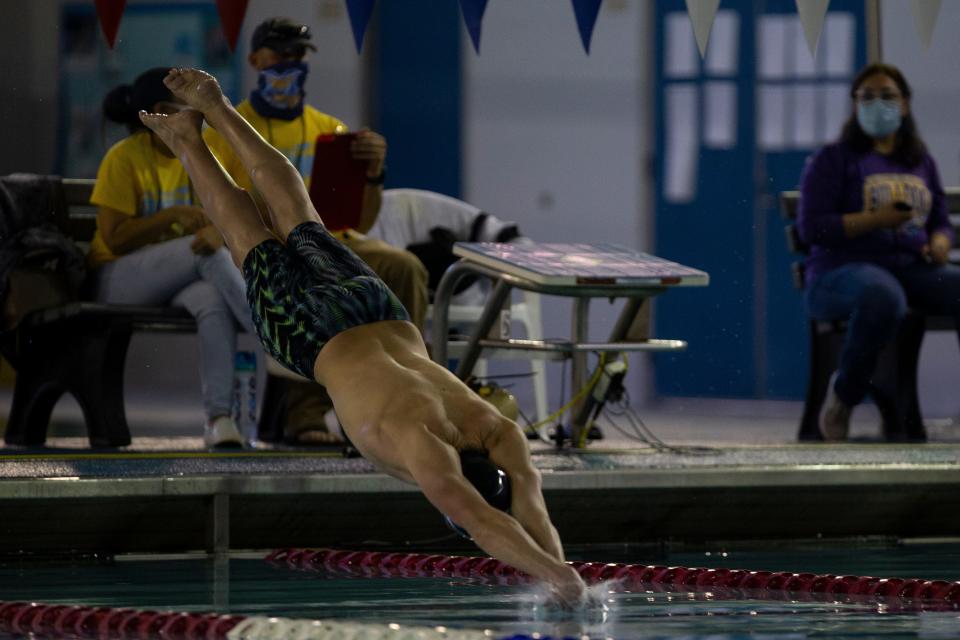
pixel 732 131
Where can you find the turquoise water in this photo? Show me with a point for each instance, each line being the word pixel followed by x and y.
pixel 252 587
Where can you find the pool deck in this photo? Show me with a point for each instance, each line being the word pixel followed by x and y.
pixel 749 482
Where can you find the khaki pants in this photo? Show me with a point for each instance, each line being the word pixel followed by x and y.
pixel 407 278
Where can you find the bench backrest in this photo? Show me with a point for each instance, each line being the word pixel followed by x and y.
pixel 80 221
pixel 790 202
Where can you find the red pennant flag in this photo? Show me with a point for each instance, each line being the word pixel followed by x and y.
pixel 110 12
pixel 231 18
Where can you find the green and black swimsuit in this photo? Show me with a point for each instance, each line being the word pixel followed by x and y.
pixel 308 290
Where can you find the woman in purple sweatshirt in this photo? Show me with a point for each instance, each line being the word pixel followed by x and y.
pixel 873 212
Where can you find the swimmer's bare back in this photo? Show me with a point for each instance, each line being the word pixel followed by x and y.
pixel 384 384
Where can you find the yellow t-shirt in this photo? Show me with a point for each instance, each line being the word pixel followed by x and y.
pixel 137 179
pixel 295 139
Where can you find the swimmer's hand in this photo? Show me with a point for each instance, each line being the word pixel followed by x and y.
pixel 568 591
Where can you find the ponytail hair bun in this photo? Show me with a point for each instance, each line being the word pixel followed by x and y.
pixel 123 103
pixel 117 106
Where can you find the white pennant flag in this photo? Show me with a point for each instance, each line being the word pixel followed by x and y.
pixel 925 16
pixel 702 14
pixel 812 14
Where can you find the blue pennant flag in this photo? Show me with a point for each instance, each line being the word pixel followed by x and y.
pixel 360 12
pixel 472 17
pixel 586 12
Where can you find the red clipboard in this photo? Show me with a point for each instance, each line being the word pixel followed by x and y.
pixel 337 182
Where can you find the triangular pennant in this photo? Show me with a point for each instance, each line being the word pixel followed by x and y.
pixel 702 14
pixel 110 12
pixel 812 14
pixel 360 12
pixel 925 14
pixel 473 17
pixel 586 12
pixel 231 19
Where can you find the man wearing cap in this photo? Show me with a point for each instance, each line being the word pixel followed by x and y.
pixel 277 110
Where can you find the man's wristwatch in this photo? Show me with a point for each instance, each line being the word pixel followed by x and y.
pixel 378 179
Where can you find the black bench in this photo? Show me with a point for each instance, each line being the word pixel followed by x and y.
pixel 81 348
pixel 894 381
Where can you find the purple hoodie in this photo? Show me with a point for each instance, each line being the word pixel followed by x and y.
pixel 838 180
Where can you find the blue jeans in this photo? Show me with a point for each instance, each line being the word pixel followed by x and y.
pixel 209 287
pixel 874 300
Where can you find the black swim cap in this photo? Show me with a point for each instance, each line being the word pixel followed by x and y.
pixel 488 479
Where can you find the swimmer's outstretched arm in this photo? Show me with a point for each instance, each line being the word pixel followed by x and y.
pixel 436 469
pixel 509 450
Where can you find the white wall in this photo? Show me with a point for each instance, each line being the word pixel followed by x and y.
pixel 557 140
pixel 932 75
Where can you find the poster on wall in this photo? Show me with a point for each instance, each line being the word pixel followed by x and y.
pixel 149 36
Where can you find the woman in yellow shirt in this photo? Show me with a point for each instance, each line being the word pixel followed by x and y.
pixel 154 246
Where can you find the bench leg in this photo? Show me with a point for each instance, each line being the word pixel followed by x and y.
pixel 886 392
pixel 33 403
pixel 102 350
pixel 824 351
pixel 908 358
pixel 37 389
pixel 273 414
pixel 84 359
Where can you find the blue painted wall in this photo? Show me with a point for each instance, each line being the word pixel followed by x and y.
pixel 417 93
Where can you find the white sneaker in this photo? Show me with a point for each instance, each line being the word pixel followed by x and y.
pixel 222 432
pixel 835 415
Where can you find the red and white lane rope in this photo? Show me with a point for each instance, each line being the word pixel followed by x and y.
pixel 629 576
pixel 73 621
pixel 106 623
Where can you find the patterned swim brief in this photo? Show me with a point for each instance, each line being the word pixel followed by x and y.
pixel 308 290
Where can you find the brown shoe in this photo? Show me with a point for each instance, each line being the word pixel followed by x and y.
pixel 316 437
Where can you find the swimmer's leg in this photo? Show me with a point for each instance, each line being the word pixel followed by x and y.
pixel 228 207
pixel 277 181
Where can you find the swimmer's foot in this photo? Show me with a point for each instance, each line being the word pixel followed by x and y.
pixel 176 130
pixel 197 88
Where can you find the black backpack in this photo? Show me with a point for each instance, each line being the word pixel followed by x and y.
pixel 437 253
pixel 40 267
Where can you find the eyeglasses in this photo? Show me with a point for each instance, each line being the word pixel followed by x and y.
pixel 870 96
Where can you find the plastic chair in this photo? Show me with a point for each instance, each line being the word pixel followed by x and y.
pixel 407 217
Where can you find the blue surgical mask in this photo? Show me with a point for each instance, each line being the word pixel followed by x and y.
pixel 879 118
pixel 279 92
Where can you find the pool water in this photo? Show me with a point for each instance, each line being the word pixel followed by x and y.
pixel 252 587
